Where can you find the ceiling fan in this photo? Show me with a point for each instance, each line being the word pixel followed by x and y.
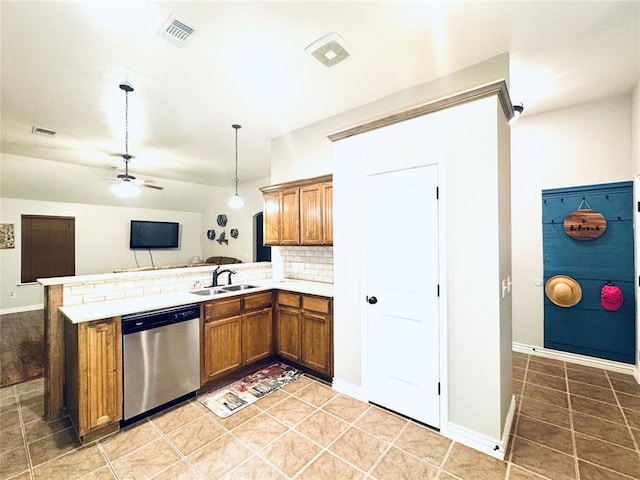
pixel 128 185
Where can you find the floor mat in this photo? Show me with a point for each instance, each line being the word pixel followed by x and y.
pixel 234 397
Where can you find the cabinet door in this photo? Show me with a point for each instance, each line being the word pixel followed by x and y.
pixel 99 346
pixel 222 348
pixel 311 215
pixel 290 216
pixel 257 337
pixel 327 213
pixel 316 342
pixel 271 218
pixel 288 333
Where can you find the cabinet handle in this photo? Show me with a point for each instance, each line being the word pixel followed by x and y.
pixel 372 300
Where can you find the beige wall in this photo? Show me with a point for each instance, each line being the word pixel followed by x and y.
pixel 102 242
pixel 242 219
pixel 578 145
pixel 39 187
pixel 307 152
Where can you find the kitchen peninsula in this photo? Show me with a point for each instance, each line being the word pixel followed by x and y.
pixel 290 319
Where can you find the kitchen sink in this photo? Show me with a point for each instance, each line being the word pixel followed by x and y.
pixel 234 288
pixel 210 291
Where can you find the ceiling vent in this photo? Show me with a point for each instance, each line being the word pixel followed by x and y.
pixel 176 32
pixel 329 50
pixel 43 131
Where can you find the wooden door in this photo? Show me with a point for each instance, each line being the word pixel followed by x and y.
pixel 257 338
pixel 99 349
pixel 290 217
pixel 222 346
pixel 403 309
pixel 327 213
pixel 288 333
pixel 311 215
pixel 271 218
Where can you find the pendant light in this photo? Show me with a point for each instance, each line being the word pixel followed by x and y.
pixel 125 186
pixel 236 201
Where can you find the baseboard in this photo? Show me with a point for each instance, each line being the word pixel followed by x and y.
pixel 23 308
pixel 576 358
pixel 354 391
pixel 482 443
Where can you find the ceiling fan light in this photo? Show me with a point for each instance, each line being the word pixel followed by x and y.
pixel 125 189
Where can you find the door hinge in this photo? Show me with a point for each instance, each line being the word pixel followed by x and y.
pixel 438 388
pixel 438 195
pixel 438 290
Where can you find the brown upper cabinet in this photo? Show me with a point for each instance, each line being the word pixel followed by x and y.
pixel 299 213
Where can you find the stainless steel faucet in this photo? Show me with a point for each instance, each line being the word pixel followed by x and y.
pixel 216 274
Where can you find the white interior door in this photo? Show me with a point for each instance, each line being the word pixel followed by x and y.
pixel 402 291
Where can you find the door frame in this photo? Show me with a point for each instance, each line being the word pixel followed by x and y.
pixel 439 161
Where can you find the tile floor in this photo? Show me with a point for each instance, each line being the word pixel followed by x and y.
pixel 572 422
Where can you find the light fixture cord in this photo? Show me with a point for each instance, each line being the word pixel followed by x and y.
pixel 126 123
pixel 236 160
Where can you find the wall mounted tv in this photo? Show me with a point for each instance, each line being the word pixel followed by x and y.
pixel 147 234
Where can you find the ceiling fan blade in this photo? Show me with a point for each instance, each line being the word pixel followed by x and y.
pixel 152 186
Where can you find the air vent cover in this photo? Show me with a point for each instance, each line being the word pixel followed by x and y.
pixel 176 32
pixel 43 131
pixel 329 50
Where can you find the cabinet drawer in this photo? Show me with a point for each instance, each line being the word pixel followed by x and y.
pixel 222 308
pixel 258 300
pixel 322 305
pixel 290 299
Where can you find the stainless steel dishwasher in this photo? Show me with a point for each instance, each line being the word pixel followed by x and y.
pixel 160 359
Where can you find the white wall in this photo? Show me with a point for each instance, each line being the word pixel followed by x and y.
pixel 102 242
pixel 242 219
pixel 578 145
pixel 467 137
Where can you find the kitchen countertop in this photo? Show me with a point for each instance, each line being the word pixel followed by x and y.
pixel 94 311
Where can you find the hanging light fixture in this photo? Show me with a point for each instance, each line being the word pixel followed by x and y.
pixel 236 201
pixel 125 186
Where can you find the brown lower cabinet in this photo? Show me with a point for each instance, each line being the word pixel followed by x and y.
pixel 236 331
pixel 93 386
pixel 304 331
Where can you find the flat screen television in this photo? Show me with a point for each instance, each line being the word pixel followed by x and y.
pixel 147 234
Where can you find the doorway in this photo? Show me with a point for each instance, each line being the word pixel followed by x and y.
pixel 402 253
pixel 261 253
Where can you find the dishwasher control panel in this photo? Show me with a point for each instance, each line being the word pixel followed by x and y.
pixel 137 322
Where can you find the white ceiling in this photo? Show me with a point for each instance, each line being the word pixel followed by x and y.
pixel 62 63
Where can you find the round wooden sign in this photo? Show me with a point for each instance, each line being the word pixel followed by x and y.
pixel 585 224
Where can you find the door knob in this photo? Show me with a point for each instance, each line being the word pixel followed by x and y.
pixel 372 300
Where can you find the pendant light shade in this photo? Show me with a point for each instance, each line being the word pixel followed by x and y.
pixel 236 200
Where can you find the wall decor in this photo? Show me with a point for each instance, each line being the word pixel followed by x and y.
pixel 563 291
pixel 211 234
pixel 234 233
pixel 7 235
pixel 222 220
pixel 223 239
pixel 588 328
pixel 585 223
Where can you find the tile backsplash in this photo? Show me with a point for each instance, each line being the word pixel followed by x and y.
pixel 308 263
pixel 154 282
